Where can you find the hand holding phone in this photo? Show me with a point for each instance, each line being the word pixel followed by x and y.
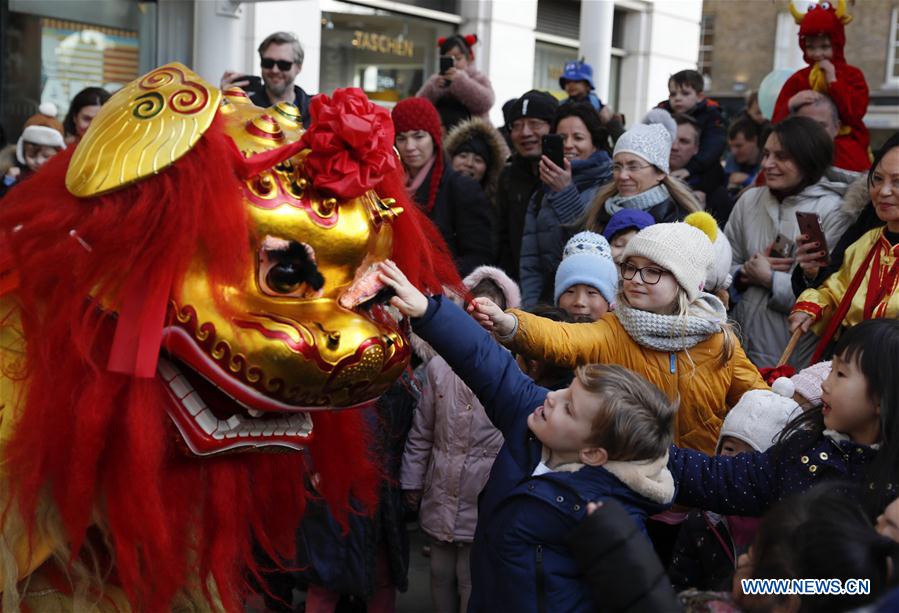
pixel 782 247
pixel 446 63
pixel 553 148
pixel 810 226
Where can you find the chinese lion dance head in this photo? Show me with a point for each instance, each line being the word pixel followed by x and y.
pixel 194 286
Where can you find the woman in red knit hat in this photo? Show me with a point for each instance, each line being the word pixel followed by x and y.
pixel 454 202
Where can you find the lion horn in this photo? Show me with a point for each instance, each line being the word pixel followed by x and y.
pixel 795 12
pixel 841 12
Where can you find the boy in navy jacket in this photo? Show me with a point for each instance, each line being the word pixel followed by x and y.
pixel 606 436
pixel 685 95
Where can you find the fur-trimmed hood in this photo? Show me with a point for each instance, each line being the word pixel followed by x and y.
pixel 498 148
pixel 506 285
pixel 857 196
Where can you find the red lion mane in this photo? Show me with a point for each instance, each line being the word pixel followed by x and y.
pixel 99 445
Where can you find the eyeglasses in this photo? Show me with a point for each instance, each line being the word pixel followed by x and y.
pixel 649 275
pixel 630 168
pixel 532 124
pixel 269 63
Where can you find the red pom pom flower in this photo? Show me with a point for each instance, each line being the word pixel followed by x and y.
pixel 351 142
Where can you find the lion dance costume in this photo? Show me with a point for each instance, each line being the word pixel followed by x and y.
pixel 193 285
pixel 849 92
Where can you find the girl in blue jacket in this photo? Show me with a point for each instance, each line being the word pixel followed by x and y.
pixel 853 436
pixel 604 437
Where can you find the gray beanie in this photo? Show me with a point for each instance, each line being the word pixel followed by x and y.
pixel 650 140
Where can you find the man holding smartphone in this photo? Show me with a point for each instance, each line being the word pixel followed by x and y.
pixel 281 60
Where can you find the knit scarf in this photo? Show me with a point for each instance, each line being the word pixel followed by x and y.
pixel 641 202
pixel 671 332
pixel 413 183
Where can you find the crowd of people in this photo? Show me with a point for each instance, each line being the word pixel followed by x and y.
pixel 674 368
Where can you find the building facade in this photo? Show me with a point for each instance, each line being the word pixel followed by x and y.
pixel 744 41
pixel 387 47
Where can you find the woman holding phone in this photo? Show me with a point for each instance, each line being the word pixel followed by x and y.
pixel 458 83
pixel 570 181
pixel 795 158
pixel 866 285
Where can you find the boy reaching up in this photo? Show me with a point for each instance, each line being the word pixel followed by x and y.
pixel 605 436
pixel 686 95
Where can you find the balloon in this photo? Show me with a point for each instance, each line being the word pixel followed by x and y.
pixel 769 90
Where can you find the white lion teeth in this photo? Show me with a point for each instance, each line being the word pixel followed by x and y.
pixel 236 426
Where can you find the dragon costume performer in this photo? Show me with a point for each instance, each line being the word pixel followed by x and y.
pixel 192 286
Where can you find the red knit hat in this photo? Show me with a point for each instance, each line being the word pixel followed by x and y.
pixel 419 114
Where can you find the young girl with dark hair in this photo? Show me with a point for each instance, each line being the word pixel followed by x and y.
pixel 796 155
pixel 462 83
pixel 851 436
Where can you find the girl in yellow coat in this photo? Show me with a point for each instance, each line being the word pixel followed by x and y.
pixel 875 256
pixel 664 327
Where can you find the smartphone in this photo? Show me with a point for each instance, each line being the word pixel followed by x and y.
pixel 810 225
pixel 553 145
pixel 254 82
pixel 446 63
pixel 782 247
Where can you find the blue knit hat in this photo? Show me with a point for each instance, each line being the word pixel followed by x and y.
pixel 577 71
pixel 587 260
pixel 627 219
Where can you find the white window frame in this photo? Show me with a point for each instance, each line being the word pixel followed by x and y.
pixel 892 74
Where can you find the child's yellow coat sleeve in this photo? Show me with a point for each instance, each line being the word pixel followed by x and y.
pixel 564 344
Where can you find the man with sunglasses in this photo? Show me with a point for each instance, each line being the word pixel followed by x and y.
pixel 281 60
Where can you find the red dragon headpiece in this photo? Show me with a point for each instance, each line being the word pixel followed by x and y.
pixel 194 284
pixel 824 18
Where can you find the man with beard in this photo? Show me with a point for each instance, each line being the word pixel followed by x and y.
pixel 529 120
pixel 281 60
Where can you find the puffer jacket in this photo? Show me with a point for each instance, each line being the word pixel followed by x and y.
pixel 498 149
pixel 452 444
pixel 520 559
pixel 705 388
pixel 470 87
pixel 756 220
pixel 545 225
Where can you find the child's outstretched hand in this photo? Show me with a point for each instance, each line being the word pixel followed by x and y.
pixel 408 299
pixel 491 317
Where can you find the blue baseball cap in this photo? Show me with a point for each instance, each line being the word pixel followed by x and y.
pixel 577 71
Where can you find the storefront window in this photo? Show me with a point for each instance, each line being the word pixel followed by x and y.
pixel 51 52
pixel 386 55
pixel 549 62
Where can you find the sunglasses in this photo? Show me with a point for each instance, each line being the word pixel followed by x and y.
pixel 268 63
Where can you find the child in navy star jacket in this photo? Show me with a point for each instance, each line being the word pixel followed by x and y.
pixel 604 437
pixel 853 437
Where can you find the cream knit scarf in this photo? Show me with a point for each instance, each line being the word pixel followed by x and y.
pixel 671 332
pixel 641 202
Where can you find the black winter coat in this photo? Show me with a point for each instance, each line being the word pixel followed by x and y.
pixel 619 563
pixel 517 183
pixel 464 217
pixel 700 559
pixel 345 563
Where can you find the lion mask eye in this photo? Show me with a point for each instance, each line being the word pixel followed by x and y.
pixel 287 268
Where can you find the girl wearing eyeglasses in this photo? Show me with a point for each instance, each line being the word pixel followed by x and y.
pixel 640 177
pixel 665 327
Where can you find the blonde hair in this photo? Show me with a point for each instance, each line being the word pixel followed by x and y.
pixel 635 419
pixel 682 307
pixel 679 191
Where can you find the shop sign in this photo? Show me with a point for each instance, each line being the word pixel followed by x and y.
pixel 379 43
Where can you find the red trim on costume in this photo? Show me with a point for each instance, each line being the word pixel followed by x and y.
pixel 811 308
